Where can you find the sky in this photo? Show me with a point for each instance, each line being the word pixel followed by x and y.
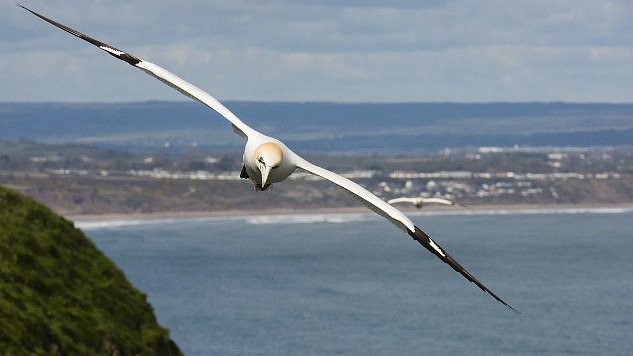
pixel 332 50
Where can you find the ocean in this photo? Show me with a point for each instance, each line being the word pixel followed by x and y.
pixel 352 284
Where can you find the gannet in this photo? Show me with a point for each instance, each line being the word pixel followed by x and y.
pixel 268 161
pixel 419 202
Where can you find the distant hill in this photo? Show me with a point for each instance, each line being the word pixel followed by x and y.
pixel 321 126
pixel 59 295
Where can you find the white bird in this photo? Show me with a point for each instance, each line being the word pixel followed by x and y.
pixel 268 161
pixel 419 202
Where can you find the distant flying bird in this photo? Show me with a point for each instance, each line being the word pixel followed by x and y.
pixel 419 202
pixel 268 161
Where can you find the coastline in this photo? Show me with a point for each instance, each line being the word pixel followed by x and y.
pixel 344 210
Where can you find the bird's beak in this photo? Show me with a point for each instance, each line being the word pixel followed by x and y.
pixel 265 170
pixel 269 156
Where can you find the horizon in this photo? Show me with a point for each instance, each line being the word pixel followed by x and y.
pixel 324 125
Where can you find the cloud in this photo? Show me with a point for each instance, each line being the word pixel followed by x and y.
pixel 329 50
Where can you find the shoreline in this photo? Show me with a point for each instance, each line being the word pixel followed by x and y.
pixel 340 210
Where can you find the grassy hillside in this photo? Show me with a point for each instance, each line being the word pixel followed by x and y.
pixel 59 295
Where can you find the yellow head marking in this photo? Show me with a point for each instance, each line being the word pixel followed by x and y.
pixel 270 153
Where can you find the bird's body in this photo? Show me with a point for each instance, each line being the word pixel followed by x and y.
pixel 268 160
pixel 419 202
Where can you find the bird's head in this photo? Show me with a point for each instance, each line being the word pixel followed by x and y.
pixel 268 157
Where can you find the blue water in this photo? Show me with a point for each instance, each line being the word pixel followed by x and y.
pixel 355 285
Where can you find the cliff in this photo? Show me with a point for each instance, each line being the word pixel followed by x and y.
pixel 60 295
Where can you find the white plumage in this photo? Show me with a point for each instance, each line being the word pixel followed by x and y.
pixel 419 202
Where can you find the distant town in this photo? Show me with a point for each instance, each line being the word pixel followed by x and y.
pixel 75 179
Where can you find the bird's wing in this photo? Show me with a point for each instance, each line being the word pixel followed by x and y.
pixel 371 201
pixel 438 201
pixel 401 200
pixel 161 74
pixel 396 217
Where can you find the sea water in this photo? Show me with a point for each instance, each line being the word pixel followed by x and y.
pixel 352 284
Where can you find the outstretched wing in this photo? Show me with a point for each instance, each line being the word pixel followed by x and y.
pixel 438 201
pixel 161 74
pixel 371 201
pixel 402 200
pixel 396 217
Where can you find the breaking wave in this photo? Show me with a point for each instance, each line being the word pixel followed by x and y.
pixel 337 218
pixel 310 218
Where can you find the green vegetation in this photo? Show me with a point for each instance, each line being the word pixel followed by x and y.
pixel 59 295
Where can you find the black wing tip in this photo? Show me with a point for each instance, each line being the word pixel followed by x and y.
pixel 29 10
pixel 122 55
pixel 514 310
pixel 424 239
pixel 517 312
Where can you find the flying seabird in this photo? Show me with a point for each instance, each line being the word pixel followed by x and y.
pixel 419 202
pixel 268 161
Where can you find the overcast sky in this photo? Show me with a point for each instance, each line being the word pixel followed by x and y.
pixel 334 50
